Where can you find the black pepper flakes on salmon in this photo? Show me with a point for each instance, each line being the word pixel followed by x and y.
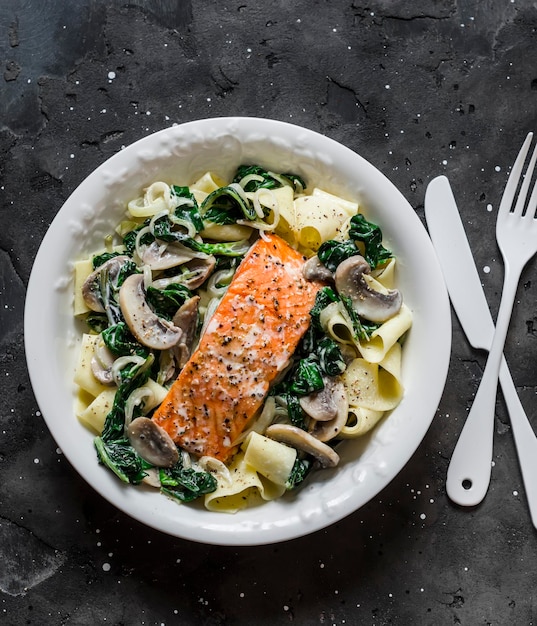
pixel 248 321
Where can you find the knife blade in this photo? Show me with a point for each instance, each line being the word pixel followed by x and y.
pixel 468 299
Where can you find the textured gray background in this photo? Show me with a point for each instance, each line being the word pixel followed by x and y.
pixel 417 88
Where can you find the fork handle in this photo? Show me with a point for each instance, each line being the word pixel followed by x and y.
pixel 468 475
pixel 525 440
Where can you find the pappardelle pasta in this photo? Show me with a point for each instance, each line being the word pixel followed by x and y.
pixel 236 331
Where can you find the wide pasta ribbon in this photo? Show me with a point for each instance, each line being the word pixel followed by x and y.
pixel 372 389
pixel 258 473
pixel 375 386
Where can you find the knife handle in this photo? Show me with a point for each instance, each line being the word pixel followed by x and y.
pixel 525 440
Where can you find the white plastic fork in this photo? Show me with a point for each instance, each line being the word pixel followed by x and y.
pixel 469 471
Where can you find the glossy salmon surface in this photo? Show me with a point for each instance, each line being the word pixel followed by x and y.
pixel 249 340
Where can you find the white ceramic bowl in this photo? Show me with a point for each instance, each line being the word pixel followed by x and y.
pixel 180 154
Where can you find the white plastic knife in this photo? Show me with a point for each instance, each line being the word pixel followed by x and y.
pixel 468 488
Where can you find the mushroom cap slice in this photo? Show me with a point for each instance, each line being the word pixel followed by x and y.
pixel 315 270
pixel 91 287
pixel 152 478
pixel 327 429
pixel 152 442
pixel 186 319
pixel 323 405
pixel 198 271
pixel 101 362
pixel 162 256
pixel 370 304
pixel 194 273
pixel 148 328
pixel 301 440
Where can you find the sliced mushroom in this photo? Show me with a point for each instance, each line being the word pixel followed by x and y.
pixel 323 405
pixel 334 401
pixel 150 329
pixel 152 478
pixel 198 270
pixel 186 319
pixel 314 269
pixel 101 363
pixel 152 442
pixel 91 288
pixel 300 439
pixel 167 365
pixel 195 273
pixel 162 256
pixel 370 304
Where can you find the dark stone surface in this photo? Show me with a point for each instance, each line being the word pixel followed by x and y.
pixel 417 88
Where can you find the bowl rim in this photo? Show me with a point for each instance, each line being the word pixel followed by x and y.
pixel 245 530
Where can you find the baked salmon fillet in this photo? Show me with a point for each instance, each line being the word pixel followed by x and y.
pixel 249 340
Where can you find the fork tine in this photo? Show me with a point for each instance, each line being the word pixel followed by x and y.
pixel 514 177
pixel 532 204
pixel 521 201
